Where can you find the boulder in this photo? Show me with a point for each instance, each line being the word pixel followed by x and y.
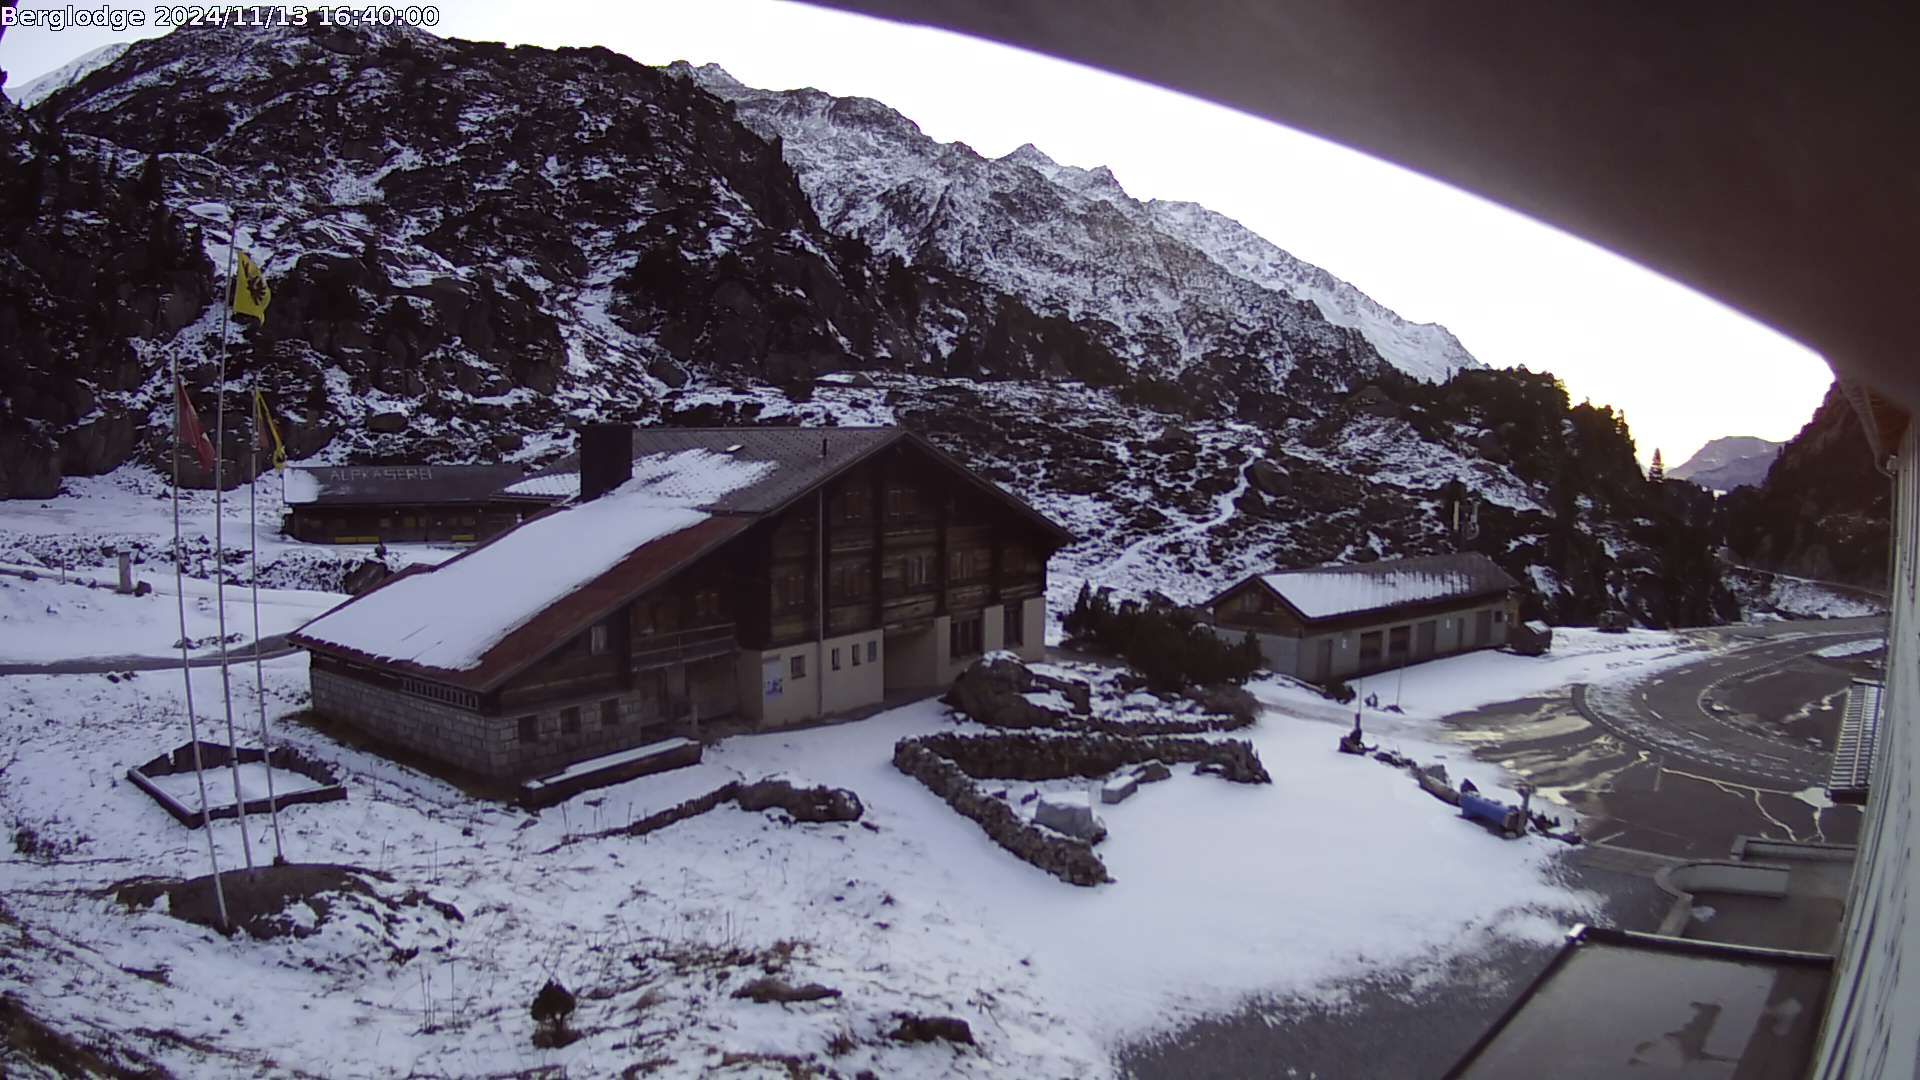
pixel 914 1028
pixel 1071 815
pixel 1119 789
pixel 769 989
pixel 1152 773
pixel 1267 477
pixel 1226 699
pixel 804 804
pixel 992 691
pixel 387 423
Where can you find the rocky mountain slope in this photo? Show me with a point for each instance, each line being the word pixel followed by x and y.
pixel 1729 462
pixel 1184 283
pixel 1823 511
pixel 472 248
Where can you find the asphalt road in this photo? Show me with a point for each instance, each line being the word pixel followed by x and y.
pixel 1690 759
pixel 1679 767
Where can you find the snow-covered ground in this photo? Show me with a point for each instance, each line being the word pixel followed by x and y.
pixel 1579 655
pixel 82 616
pixel 129 507
pixel 1223 892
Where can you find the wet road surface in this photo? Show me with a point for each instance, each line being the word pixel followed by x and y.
pixel 1694 757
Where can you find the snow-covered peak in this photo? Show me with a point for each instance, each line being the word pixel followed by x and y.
pixel 1165 285
pixel 38 90
pixel 1426 351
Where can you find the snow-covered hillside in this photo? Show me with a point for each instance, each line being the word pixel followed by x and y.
pixel 29 94
pixel 1161 280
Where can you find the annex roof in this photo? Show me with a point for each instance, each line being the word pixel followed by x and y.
pixel 1328 592
pixel 382 485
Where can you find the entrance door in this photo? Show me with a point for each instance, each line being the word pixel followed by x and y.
pixel 1322 661
pixel 1423 640
pixel 1483 627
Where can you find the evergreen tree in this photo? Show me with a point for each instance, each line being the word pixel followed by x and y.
pixel 1657 471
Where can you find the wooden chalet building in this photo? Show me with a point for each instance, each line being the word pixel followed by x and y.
pixel 1335 622
pixel 770 574
pixel 394 504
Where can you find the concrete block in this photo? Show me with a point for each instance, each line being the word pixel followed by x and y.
pixel 1069 813
pixel 1119 789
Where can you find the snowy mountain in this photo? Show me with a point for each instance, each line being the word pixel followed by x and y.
pixel 1164 283
pixel 44 87
pixel 1729 462
pixel 473 248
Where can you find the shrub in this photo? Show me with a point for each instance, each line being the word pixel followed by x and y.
pixel 1170 647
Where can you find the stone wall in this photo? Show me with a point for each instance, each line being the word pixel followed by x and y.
pixel 1070 860
pixel 489 746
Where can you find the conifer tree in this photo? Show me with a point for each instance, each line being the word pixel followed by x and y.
pixel 1656 472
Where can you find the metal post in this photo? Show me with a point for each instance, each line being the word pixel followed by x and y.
pixel 219 546
pixel 186 668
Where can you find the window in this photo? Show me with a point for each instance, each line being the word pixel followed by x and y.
pixel 790 592
pixel 1013 629
pixel 855 650
pixel 854 504
pixel 836 659
pixel 873 651
pixel 610 713
pixel 529 729
pixel 902 502
pixel 851 581
pixel 1500 616
pixel 1370 643
pixel 797 667
pixel 570 720
pixel 1398 639
pixel 963 637
pixel 597 640
pixel 706 607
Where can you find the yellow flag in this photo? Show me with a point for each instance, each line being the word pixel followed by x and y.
pixel 265 429
pixel 250 292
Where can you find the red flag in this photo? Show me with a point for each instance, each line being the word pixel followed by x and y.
pixel 190 431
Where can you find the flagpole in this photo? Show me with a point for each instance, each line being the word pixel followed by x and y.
pixel 186 668
pixel 219 545
pixel 253 561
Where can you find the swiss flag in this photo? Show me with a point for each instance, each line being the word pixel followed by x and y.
pixel 190 431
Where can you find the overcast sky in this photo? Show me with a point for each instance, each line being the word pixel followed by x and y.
pixel 1682 367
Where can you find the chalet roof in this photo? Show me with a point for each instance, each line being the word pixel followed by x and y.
pixel 472 619
pixel 481 617
pixel 800 458
pixel 1327 592
pixel 381 485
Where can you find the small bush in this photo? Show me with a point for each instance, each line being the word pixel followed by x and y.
pixel 1170 647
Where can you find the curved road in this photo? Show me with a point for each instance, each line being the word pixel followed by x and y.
pixel 1675 712
pixel 1682 762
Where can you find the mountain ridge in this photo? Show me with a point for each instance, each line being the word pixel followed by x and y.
pixel 474 248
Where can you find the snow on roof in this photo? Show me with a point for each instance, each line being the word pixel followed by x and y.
pixel 449 617
pixel 299 487
pixel 792 461
pixel 1330 591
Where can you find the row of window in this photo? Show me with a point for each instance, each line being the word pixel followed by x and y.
pixel 609 717
pixel 871 648
pixel 464 699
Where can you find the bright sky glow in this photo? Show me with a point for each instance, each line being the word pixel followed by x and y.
pixel 1684 368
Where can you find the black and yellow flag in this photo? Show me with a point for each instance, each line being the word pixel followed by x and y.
pixel 250 292
pixel 266 433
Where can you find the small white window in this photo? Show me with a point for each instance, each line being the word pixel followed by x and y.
pixel 836 659
pixel 597 640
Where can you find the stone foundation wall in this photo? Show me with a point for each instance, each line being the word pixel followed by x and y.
pixel 491 746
